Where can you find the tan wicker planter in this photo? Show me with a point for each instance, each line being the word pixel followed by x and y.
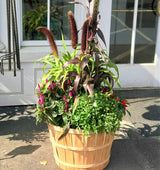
pixel 78 152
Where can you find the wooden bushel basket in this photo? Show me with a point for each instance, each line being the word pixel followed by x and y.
pixel 78 152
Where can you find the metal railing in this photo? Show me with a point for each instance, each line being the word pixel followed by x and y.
pixel 12 55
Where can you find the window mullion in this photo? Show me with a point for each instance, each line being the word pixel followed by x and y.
pixel 134 31
pixel 48 14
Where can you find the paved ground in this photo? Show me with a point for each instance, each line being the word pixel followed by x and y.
pixel 24 146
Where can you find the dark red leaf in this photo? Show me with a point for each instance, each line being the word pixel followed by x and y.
pixel 90 88
pixel 85 87
pixel 88 85
pixel 96 67
pixel 85 61
pixel 72 74
pixel 101 35
pixel 76 82
pixel 104 76
pixel 73 61
pixel 100 49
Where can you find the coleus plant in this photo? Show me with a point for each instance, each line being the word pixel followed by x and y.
pixel 80 73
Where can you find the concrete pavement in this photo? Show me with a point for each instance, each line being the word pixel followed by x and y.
pixel 23 145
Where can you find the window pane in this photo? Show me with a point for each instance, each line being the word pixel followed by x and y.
pixel 34 15
pixel 145 33
pixel 121 30
pixel 59 18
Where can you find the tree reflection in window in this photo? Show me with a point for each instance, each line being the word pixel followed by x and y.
pixel 35 14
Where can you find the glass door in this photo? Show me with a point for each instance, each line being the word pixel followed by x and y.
pixel 133 31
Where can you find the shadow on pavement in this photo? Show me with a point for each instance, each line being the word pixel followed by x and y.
pixel 149 131
pixel 12 111
pixel 24 129
pixel 136 153
pixel 22 150
pixel 153 113
pixel 19 123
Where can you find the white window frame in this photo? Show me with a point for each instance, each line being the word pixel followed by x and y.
pixel 134 28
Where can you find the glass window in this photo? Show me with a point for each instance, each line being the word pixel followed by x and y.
pixel 121 30
pixel 35 14
pixel 146 33
pixel 142 49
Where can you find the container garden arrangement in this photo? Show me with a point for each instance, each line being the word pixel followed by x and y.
pixel 76 97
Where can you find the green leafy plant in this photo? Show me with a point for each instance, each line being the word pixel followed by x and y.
pixel 104 113
pixel 76 90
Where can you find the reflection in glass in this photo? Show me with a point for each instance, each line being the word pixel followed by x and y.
pixel 145 33
pixel 59 18
pixel 34 15
pixel 121 30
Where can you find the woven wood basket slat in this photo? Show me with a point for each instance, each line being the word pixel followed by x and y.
pixel 78 152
